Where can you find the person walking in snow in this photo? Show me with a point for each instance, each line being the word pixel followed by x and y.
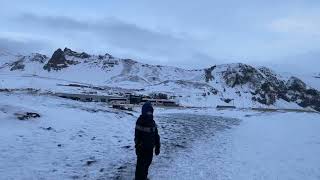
pixel 146 140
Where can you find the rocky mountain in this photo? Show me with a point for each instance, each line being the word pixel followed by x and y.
pixel 237 84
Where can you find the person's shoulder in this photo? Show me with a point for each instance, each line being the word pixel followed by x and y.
pixel 154 123
pixel 140 118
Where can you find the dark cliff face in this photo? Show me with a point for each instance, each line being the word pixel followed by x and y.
pixel 69 52
pixel 18 65
pixel 301 94
pixel 39 58
pixel 242 74
pixel 208 74
pixel 294 90
pixel 58 60
pixel 266 87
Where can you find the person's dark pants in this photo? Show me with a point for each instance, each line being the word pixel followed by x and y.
pixel 144 159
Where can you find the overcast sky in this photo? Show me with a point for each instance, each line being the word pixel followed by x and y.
pixel 174 32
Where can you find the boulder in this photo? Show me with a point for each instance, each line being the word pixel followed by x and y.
pixel 27 115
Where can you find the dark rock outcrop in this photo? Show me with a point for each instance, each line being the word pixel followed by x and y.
pixel 39 58
pixel 295 84
pixel 267 93
pixel 294 90
pixel 208 73
pixel 82 55
pixel 268 87
pixel 301 94
pixel 58 61
pixel 27 115
pixel 18 65
pixel 241 74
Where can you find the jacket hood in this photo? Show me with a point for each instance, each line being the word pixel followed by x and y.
pixel 147 107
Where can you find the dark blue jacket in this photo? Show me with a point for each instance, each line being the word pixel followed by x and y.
pixel 146 131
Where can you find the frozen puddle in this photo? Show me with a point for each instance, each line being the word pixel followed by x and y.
pixel 183 140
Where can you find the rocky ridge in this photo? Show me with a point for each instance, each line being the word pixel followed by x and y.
pixel 229 81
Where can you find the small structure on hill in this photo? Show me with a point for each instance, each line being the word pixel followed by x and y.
pixel 225 107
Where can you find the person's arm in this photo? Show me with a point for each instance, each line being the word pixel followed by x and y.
pixel 137 140
pixel 137 136
pixel 158 145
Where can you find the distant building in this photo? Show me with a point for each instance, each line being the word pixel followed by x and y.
pixel 134 99
pixel 92 97
pixel 117 100
pixel 160 102
pixel 225 107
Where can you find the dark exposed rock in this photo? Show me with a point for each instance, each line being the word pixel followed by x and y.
pixel 69 52
pixel 39 58
pixel 109 56
pixel 305 97
pixel 298 92
pixel 129 61
pixel 227 100
pixel 268 87
pixel 208 73
pixel 213 91
pixel 100 57
pixel 90 162
pixel 312 92
pixel 268 93
pixel 27 115
pixel 295 84
pixel 5 90
pixel 58 61
pixel 241 74
pixel 18 65
pixel 271 76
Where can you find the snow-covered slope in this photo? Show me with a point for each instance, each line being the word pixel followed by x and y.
pixel 228 84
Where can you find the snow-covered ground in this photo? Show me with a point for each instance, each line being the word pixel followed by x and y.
pixel 70 140
pixel 283 145
pixel 77 140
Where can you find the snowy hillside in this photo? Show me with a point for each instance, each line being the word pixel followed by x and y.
pixel 238 84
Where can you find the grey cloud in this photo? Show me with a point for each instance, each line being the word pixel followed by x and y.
pixel 111 31
pixel 22 47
